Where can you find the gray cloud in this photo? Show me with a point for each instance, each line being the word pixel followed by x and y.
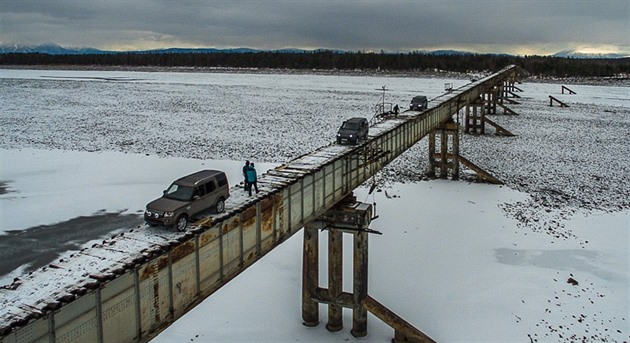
pixel 483 25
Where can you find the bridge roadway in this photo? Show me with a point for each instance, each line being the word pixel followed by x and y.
pixel 131 286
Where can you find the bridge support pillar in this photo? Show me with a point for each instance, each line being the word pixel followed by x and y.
pixel 360 284
pixel 310 276
pixel 354 218
pixel 346 217
pixel 444 160
pixel 489 98
pixel 335 278
pixel 475 118
pixel 506 88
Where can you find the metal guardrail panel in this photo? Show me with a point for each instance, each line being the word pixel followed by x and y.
pixel 231 242
pixel 184 280
pixel 209 259
pixel 36 331
pixel 268 209
pixel 154 294
pixel 77 322
pixel 119 309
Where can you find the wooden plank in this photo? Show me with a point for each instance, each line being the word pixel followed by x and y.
pixel 481 174
pixel 403 329
pixel 500 130
pixel 552 99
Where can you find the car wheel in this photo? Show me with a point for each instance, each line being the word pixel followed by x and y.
pixel 220 206
pixel 181 223
pixel 338 140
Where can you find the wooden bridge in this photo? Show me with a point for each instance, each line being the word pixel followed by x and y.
pixel 143 291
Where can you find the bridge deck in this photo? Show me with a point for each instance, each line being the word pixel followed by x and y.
pixel 145 280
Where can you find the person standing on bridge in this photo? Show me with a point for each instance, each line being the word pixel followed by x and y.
pixel 252 179
pixel 245 168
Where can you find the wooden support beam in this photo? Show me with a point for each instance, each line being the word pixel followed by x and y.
pixel 404 332
pixel 564 88
pixel 501 131
pixel 514 95
pixel 482 175
pixel 511 102
pixel 507 110
pixel 552 99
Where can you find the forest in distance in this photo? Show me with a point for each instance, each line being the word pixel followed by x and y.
pixel 549 66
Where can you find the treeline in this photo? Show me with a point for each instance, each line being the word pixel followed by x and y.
pixel 328 60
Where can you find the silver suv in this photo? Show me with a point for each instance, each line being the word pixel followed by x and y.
pixel 188 196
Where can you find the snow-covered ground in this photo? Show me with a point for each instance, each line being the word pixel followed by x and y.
pixel 461 261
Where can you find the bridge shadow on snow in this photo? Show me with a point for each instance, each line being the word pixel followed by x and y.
pixel 40 245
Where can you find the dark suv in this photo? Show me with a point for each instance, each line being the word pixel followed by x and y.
pixel 352 130
pixel 188 196
pixel 418 103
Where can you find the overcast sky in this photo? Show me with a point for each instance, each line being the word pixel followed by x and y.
pixel 503 26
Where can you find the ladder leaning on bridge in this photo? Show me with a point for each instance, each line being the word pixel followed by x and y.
pixel 143 291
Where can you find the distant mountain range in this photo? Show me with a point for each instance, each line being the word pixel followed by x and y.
pixel 51 49
pixel 577 54
pixel 54 49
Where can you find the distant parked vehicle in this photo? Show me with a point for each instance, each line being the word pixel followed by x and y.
pixel 419 103
pixel 353 130
pixel 188 196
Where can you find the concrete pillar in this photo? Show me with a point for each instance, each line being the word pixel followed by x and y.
pixel 310 276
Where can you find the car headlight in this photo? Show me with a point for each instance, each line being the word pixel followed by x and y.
pixel 338 134
pixel 350 136
pixel 168 214
pixel 147 213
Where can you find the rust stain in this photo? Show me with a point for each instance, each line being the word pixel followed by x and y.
pixel 266 204
pixel 182 251
pixel 162 262
pixel 279 202
pixel 207 237
pixel 145 274
pixel 148 271
pixel 249 214
pixel 232 224
pixel 266 224
pixel 266 208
